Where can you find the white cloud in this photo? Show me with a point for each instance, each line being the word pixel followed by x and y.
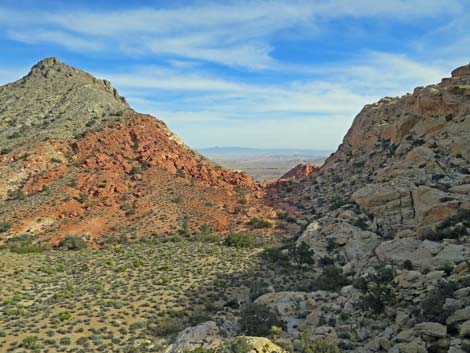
pixel 201 107
pixel 237 34
pixel 58 37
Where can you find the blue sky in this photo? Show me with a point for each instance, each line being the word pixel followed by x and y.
pixel 284 74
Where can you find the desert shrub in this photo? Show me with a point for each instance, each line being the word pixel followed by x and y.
pixel 17 195
pixel 408 265
pixel 31 342
pixel 336 202
pixel 258 288
pixel 454 227
pixel 5 227
pixel 331 279
pixel 137 169
pixel 318 345
pixel 237 345
pixel 447 267
pixel 72 242
pixel 275 254
pixel 257 319
pixel 65 341
pixel 205 229
pixel 259 223
pixel 432 306
pixel 238 240
pixel 25 248
pixel 361 223
pixel 83 197
pixel 64 316
pixel 331 244
pixel 5 151
pixel 301 254
pixel 128 209
pixel 164 326
pixel 377 288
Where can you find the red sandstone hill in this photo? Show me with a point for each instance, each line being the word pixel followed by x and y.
pixel 79 160
pixel 299 171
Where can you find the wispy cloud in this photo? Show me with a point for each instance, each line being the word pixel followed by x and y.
pixel 260 72
pixel 236 34
pixel 57 37
pixel 322 105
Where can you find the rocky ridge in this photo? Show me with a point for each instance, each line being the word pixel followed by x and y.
pixel 388 219
pixel 76 159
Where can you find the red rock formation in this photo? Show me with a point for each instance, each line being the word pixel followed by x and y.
pixel 299 171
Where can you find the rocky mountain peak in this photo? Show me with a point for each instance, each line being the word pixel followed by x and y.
pixel 56 101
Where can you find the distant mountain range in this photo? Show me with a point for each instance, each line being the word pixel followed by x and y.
pixel 238 151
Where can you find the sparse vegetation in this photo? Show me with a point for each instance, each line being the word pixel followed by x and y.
pixel 377 289
pixel 318 345
pixel 144 291
pixel 5 227
pixel 71 242
pixel 257 320
pixel 331 279
pixel 238 240
pixel 301 254
pixel 257 223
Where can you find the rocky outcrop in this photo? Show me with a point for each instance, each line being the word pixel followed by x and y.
pixel 394 196
pixel 205 335
pixel 300 171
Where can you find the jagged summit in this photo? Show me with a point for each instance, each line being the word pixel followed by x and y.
pixel 55 101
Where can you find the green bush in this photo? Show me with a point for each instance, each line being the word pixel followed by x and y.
pixel 31 342
pixel 454 227
pixel 259 223
pixel 4 227
pixel 432 306
pixel 5 151
pixel 205 229
pixel 238 240
pixel 331 279
pixel 25 248
pixel 301 254
pixel 64 316
pixel 408 265
pixel 72 242
pixel 257 320
pixel 377 289
pixel 137 169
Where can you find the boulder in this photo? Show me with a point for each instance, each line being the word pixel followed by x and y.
pixel 459 316
pixel 295 308
pixel 465 329
pixel 261 345
pixel 204 335
pixel 432 329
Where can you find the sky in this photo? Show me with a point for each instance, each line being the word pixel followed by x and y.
pixel 264 74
